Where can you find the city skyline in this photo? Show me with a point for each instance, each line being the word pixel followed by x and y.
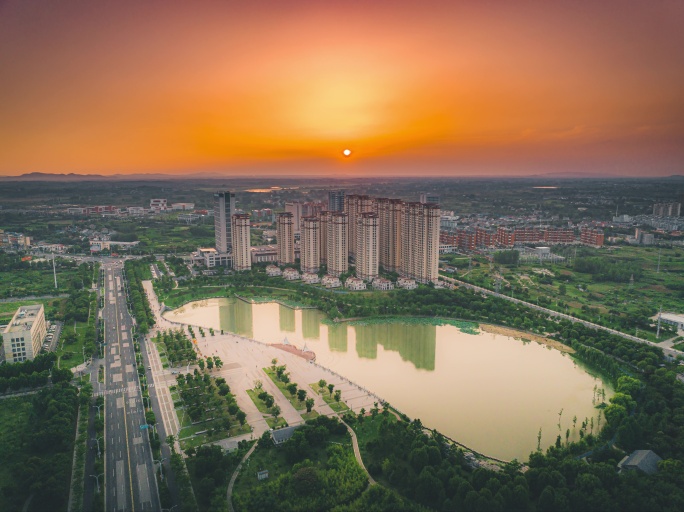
pixel 442 89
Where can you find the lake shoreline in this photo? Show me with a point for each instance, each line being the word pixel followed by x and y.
pixel 524 335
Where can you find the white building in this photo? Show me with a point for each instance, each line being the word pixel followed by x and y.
pixel 183 206
pixel 135 210
pixel 354 283
pixel 382 284
pixel 211 258
pixel 406 283
pixel 331 281
pixel 290 274
pixel 158 204
pixel 23 336
pixel 273 271
pixel 240 231
pixel 309 278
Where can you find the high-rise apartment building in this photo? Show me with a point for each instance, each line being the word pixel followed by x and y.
pixel 24 334
pixel 311 209
pixel 295 208
pixel 420 241
pixel 310 245
pixel 285 238
pixel 429 198
pixel 336 201
pixel 224 208
pixel 367 241
pixel 389 233
pixel 324 223
pixel 242 246
pixel 667 209
pixel 594 237
pixel 354 206
pixel 338 244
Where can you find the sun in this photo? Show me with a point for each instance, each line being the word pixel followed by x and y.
pixel 346 152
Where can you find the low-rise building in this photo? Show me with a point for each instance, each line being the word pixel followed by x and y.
pixel 354 283
pixel 406 283
pixel 291 274
pixel 643 460
pixel 381 283
pixel 183 206
pixel 24 335
pixel 331 281
pixel 210 257
pixel 273 271
pixel 310 278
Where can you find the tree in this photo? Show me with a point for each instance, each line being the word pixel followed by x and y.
pixel 292 388
pixel 338 395
pixel 330 388
pixel 258 384
pixel 276 412
pixel 309 404
pixel 322 383
pixel 274 362
pixel 241 417
pixel 301 395
pixel 210 363
pixel 201 364
pixel 218 362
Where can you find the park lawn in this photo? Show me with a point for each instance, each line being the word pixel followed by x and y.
pixel 283 389
pixel 273 423
pixel 7 309
pixel 258 402
pixel 34 281
pixel 310 415
pixel 179 296
pixel 325 394
pixel 71 355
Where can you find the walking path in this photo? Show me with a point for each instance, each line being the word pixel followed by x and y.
pixel 229 494
pixel 357 452
pixel 669 351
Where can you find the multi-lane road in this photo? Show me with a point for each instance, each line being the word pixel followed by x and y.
pixel 130 483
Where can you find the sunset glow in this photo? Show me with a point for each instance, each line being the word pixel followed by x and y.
pixel 456 88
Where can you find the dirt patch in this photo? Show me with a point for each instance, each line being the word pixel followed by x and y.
pixel 517 334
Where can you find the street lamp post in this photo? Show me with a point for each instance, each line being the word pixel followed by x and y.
pixel 161 467
pixel 97 440
pixel 98 409
pixel 97 480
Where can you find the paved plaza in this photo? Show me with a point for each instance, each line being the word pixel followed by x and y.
pixel 243 363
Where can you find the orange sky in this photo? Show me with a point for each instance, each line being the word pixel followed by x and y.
pixel 455 88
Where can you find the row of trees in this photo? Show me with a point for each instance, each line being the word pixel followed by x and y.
pixel 179 348
pixel 604 269
pixel 209 399
pixel 140 306
pixel 32 374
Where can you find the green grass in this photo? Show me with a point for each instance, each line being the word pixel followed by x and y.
pixel 273 423
pixel 73 352
pixel 325 394
pixel 310 415
pixel 258 402
pixel 283 389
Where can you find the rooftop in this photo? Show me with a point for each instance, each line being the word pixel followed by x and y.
pixel 23 319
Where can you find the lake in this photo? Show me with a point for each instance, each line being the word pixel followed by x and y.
pixel 487 391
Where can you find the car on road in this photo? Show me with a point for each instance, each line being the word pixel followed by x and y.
pixel 149 367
